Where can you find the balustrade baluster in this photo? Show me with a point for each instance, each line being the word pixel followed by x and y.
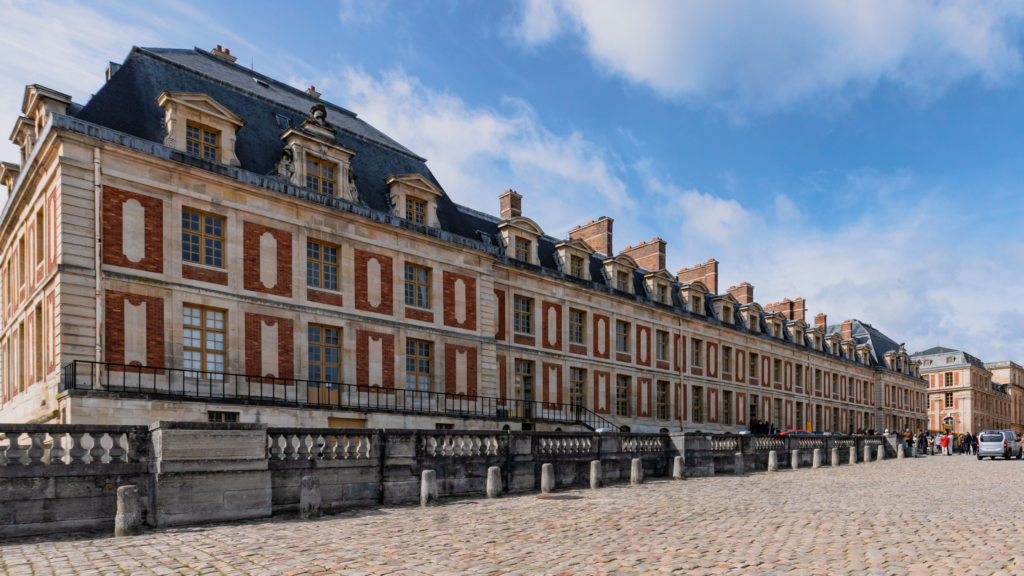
pixel 4 442
pixel 275 446
pixel 77 451
pixel 57 451
pixel 14 450
pixel 97 451
pixel 117 451
pixel 36 451
pixel 303 452
pixel 289 446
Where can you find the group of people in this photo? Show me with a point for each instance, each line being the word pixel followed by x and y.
pixel 762 427
pixel 949 442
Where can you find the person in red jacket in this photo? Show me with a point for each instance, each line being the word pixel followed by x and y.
pixel 945 444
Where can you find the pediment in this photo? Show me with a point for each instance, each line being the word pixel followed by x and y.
pixel 753 308
pixel 660 275
pixel 577 244
pixel 621 260
pixel 522 223
pixel 417 181
pixel 203 103
pixel 695 286
pixel 726 298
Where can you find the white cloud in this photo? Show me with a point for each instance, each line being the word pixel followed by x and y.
pixel 757 56
pixel 361 11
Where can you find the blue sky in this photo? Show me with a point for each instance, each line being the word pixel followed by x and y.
pixel 866 156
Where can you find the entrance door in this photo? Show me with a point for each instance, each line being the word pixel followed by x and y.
pixel 524 387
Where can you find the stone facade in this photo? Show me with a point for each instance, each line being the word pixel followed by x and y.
pixel 968 395
pixel 386 261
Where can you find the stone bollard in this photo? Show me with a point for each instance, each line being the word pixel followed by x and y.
pixel 899 451
pixel 309 498
pixel 816 463
pixel 738 467
pixel 636 472
pixel 773 461
pixel 494 482
pixel 679 468
pixel 794 459
pixel 547 478
pixel 867 453
pixel 881 452
pixel 835 457
pixel 128 521
pixel 853 454
pixel 595 474
pixel 428 488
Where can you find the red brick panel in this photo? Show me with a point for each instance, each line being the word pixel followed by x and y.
pixel 502 381
pixel 114 333
pixel 643 350
pixel 254 345
pixel 787 375
pixel 113 250
pixel 741 408
pixel 607 392
pixel 712 358
pixel 600 336
pixel 30 363
pixel 450 375
pixel 469 282
pixel 363 338
pixel 676 352
pixel 766 374
pixel 789 415
pixel 524 340
pixel 362 283
pixel 740 366
pixel 419 315
pixel 329 298
pixel 578 349
pixel 643 406
pixel 251 233
pixel 842 388
pixel 51 322
pixel 662 365
pixel 204 275
pixel 30 280
pixel 551 399
pixel 624 358
pixel 545 342
pixel 712 403
pixel 499 296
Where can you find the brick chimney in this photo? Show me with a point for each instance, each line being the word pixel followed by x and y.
pixel 744 293
pixel 847 329
pixel 821 320
pixel 792 309
pixel 511 204
pixel 312 92
pixel 706 273
pixel 596 233
pixel 649 255
pixel 223 53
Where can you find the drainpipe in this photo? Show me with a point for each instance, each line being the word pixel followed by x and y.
pixel 98 206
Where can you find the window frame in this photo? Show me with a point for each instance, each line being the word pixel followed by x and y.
pixel 727 359
pixel 661 293
pixel 661 400
pixel 697 405
pixel 322 264
pixel 577 330
pixel 661 345
pixel 320 181
pixel 622 396
pixel 622 336
pixel 522 249
pixel 324 345
pixel 422 367
pixel 204 352
pixel 948 399
pixel 203 236
pixel 727 408
pixel 522 318
pixel 200 141
pixel 622 281
pixel 754 362
pixel 695 352
pixel 577 386
pixel 798 375
pixel 777 370
pixel 415 210
pixel 411 293
pixel 576 266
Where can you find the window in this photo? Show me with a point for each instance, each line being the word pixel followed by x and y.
pixel 444 426
pixel 202 239
pixel 800 415
pixel 695 305
pixel 201 141
pixel 40 238
pixel 753 407
pixel 38 334
pixel 523 315
pixel 799 373
pixel 865 391
pixel 849 387
pixel 576 266
pixel 524 382
pixel 777 370
pixel 753 365
pixel 622 281
pixel 22 357
pixel 727 408
pixel 698 405
pixel 324 354
pixel 727 314
pixel 576 327
pixel 727 359
pixel 695 347
pixel 522 250
pixel 835 383
pixel 661 294
pixel 661 345
pixel 948 376
pixel 321 265
pixel 417 286
pixel 417 367
pixel 22 270
pixel 622 336
pixel 215 416
pixel 415 210
pixel 320 176
pixel 949 399
pixel 203 337
pixel 577 380
pixel 662 402
pixel 622 396
pixel 817 380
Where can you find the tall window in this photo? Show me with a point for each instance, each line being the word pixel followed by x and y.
pixel 835 383
pixel 798 371
pixel 753 365
pixel 22 270
pixel 622 281
pixel 754 406
pixel 321 265
pixel 415 210
pixel 203 337
pixel 727 359
pixel 523 315
pixel 800 415
pixel 621 336
pixel 577 327
pixel 417 286
pixel 865 392
pixel 324 354
pixel 777 370
pixel 695 346
pixel 817 380
pixel 697 415
pixel 849 387
pixel 577 381
pixel 22 357
pixel 522 250
pixel 320 176
pixel 948 376
pixel 201 141
pixel 417 367
pixel 662 294
pixel 726 408
pixel 38 334
pixel 576 266
pixel 662 401
pixel 661 345
pixel 40 238
pixel 202 239
pixel 622 396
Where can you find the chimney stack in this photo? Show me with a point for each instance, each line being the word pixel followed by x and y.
pixel 847 329
pixel 744 293
pixel 596 233
pixel 706 273
pixel 648 255
pixel 821 320
pixel 223 53
pixel 511 204
pixel 792 309
pixel 312 92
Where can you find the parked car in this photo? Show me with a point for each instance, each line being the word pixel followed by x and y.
pixel 796 433
pixel 1003 443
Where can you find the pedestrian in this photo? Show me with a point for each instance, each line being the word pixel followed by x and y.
pixel 945 445
pixel 909 437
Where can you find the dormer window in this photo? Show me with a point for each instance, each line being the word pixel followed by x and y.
pixel 576 266
pixel 321 177
pixel 200 126
pixel 415 210
pixel 201 142
pixel 661 295
pixel 727 314
pixel 695 304
pixel 622 281
pixel 522 250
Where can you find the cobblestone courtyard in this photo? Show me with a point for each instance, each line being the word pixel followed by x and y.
pixel 936 515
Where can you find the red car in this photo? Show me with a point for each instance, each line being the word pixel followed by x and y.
pixel 797 433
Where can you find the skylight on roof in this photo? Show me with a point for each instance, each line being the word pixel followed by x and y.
pixel 261 82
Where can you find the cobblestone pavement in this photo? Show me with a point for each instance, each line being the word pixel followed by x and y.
pixel 935 515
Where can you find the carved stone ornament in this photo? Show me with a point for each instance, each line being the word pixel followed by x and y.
pixel 169 142
pixel 318 115
pixel 285 167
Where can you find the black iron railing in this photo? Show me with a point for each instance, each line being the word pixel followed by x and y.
pixel 201 385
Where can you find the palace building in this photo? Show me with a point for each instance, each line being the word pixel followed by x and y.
pixel 201 242
pixel 968 395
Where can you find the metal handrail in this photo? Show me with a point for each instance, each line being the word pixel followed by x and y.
pixel 204 385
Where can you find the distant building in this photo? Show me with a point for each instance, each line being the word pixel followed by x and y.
pixel 965 394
